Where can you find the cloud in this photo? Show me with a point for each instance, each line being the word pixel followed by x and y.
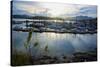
pixel 53 9
pixel 89 11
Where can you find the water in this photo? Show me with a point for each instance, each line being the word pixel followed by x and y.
pixel 57 44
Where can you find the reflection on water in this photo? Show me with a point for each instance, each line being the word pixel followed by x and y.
pixel 53 44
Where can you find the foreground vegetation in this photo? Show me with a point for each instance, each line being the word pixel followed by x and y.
pixel 24 59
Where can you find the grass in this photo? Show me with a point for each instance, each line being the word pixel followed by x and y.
pixel 36 44
pixel 19 59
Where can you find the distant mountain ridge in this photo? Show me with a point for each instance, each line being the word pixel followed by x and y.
pixel 44 17
pixel 83 17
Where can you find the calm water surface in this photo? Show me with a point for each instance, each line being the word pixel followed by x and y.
pixel 57 44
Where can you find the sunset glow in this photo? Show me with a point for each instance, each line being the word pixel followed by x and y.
pixel 53 9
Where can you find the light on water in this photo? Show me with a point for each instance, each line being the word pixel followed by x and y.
pixel 57 44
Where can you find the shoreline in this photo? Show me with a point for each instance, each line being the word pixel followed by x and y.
pixel 45 59
pixel 88 32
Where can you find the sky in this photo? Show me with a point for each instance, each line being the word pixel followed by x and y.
pixel 53 9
